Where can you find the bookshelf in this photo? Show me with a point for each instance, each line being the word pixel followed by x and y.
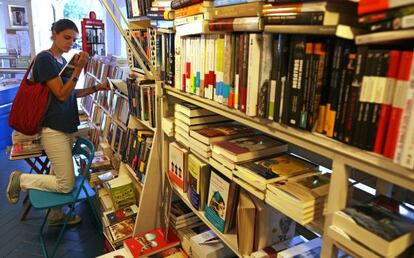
pixel 342 158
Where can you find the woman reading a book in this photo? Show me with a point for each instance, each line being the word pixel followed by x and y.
pixel 61 119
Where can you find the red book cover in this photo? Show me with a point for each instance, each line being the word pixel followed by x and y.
pixel 385 112
pixel 150 242
pixel 398 104
pixel 371 6
pixel 221 25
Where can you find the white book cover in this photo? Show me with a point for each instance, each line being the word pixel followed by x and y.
pixel 255 46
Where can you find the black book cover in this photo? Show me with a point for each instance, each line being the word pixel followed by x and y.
pixel 351 125
pixel 331 105
pixel 309 73
pixel 281 73
pixel 296 78
pixel 360 110
pixel 380 73
pixel 350 70
pixel 342 89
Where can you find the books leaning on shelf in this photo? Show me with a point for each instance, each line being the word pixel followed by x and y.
pixel 250 147
pixel 121 191
pixel 151 242
pixel 177 165
pixel 386 222
pixel 121 231
pixel 259 225
pixel 272 169
pixel 198 182
pixel 113 217
pixel 301 197
pixel 221 202
pixel 183 217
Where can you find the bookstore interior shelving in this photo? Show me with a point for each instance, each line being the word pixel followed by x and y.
pixel 341 158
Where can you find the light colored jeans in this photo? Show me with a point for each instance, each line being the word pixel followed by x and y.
pixel 58 147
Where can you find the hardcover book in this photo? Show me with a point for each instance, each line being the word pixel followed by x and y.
pixel 150 242
pixel 247 148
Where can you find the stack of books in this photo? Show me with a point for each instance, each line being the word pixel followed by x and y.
pixel 119 224
pixel 188 116
pixel 397 15
pixel 229 153
pixel 386 222
pixel 302 197
pixel 325 13
pixel 201 139
pixel 259 173
pixel 183 217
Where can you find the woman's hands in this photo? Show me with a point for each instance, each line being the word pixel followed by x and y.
pixel 103 86
pixel 83 58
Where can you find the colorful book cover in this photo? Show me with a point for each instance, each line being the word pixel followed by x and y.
pixel 217 201
pixel 122 214
pixel 281 166
pixel 122 230
pixel 198 174
pixel 150 242
pixel 177 168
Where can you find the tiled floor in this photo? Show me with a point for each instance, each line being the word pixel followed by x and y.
pixel 21 238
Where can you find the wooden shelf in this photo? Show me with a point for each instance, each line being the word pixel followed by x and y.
pixel 133 174
pixel 386 37
pixel 341 31
pixel 134 121
pixel 343 241
pixel 369 162
pixel 229 239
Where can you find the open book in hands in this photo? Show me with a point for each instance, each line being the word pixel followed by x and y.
pixel 69 67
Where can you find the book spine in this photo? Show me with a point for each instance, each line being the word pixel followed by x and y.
pixel 307 84
pixel 244 74
pixel 255 46
pixel 350 69
pixel 271 107
pixel 176 4
pixel 218 3
pixel 236 71
pixel 296 79
pixel 265 70
pixel 387 101
pixel 236 24
pixel 317 84
pixel 399 100
pixel 386 15
pixel 301 18
pixel 189 10
pixel 333 89
pixel 281 75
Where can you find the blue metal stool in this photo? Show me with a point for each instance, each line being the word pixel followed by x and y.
pixel 82 191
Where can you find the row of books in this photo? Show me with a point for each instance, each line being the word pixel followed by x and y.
pixel 141 100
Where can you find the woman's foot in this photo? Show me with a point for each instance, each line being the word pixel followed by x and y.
pixel 13 187
pixel 75 219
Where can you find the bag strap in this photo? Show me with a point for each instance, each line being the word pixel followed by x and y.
pixel 31 65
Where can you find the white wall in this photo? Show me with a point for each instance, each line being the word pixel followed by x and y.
pixel 4 17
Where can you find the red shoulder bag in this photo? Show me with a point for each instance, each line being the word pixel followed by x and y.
pixel 29 106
